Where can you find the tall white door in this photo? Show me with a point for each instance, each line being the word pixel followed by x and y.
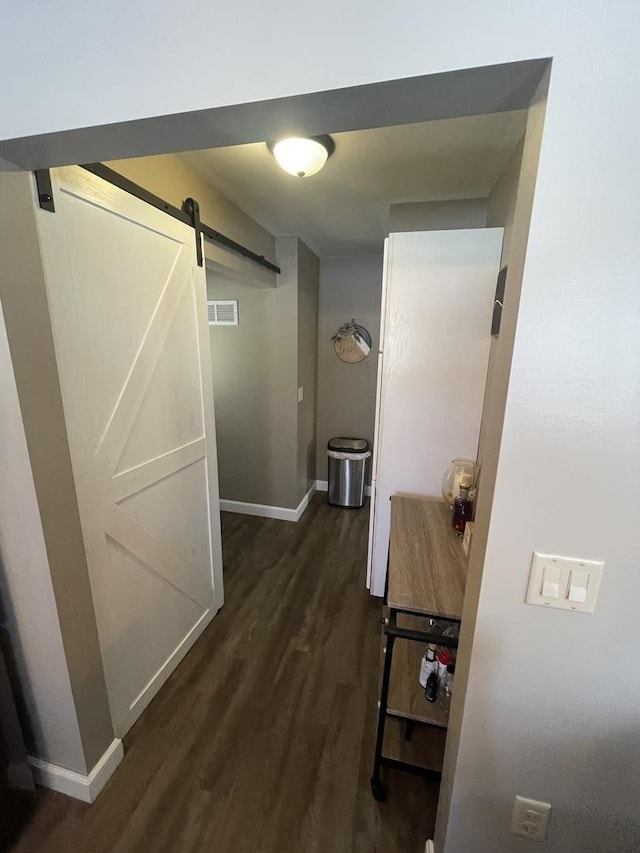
pixel 438 301
pixel 128 308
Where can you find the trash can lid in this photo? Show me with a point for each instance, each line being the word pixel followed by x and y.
pixel 348 445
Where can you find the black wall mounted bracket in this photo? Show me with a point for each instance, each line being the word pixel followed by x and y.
pixel 45 190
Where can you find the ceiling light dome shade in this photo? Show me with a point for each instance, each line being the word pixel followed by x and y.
pixel 302 156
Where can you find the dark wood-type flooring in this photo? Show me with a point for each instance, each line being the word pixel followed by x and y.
pixel 262 739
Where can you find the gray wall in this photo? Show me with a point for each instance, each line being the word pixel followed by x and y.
pixel 264 436
pixel 251 391
pixel 31 634
pixel 438 215
pixel 308 286
pixel 349 287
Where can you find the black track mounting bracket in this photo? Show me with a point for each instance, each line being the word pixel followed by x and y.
pixel 45 190
pixel 192 209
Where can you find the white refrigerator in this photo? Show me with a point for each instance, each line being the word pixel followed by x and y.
pixel 435 338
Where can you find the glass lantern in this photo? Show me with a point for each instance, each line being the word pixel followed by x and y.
pixel 451 479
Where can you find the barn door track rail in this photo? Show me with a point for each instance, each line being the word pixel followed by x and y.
pixel 189 213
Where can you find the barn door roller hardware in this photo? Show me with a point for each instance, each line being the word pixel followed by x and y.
pixel 192 209
pixel 189 214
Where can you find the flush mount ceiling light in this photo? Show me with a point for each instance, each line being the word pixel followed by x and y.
pixel 302 156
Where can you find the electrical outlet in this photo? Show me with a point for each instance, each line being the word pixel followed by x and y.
pixel 530 818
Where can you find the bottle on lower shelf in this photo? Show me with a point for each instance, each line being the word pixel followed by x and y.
pixel 444 657
pixel 431 690
pixel 445 688
pixel 427 664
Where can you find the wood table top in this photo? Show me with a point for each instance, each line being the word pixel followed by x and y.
pixel 427 565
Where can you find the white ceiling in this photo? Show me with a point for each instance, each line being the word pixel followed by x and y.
pixel 344 209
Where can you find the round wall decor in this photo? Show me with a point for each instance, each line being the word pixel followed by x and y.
pixel 352 342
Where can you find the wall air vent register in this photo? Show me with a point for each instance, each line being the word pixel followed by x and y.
pixel 223 312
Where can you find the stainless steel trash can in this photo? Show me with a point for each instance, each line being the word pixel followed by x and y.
pixel 347 463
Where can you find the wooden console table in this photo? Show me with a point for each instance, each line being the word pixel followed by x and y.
pixel 426 578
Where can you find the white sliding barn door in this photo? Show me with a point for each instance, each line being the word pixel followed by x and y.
pixel 128 308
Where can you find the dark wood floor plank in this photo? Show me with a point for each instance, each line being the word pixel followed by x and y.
pixel 262 739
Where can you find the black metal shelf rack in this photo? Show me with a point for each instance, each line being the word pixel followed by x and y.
pixel 393 632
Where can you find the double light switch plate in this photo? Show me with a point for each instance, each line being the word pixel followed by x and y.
pixel 567 583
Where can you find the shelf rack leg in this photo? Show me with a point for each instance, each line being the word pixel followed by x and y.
pixel 377 787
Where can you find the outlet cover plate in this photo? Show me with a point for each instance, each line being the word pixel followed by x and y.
pixel 530 818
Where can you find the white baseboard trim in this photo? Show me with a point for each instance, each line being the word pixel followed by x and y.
pixel 265 511
pixel 304 503
pixel 85 787
pixel 323 486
